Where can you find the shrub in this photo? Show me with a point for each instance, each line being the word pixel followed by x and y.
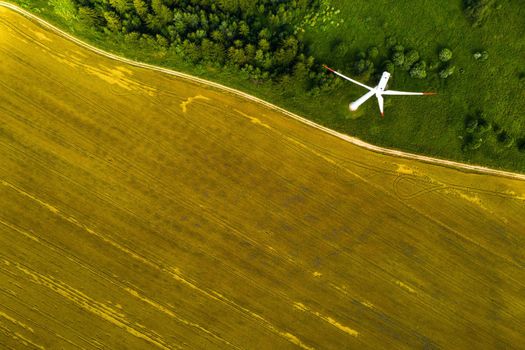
pixel 445 55
pixel 481 55
pixel 418 71
pixel 447 72
pixel 398 58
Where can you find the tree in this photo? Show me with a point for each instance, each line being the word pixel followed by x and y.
pixel 445 55
pixel 112 21
pixel 141 8
pixel 122 6
pixel 419 71
pixel 64 8
pixel 398 58
pixel 411 57
pixel 87 16
pixel 447 72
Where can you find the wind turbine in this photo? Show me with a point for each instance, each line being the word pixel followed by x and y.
pixel 379 91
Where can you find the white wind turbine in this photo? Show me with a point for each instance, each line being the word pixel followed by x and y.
pixel 379 91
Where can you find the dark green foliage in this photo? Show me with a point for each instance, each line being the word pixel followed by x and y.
pixel 445 55
pixel 255 36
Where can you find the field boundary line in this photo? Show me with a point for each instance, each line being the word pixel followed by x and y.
pixel 351 139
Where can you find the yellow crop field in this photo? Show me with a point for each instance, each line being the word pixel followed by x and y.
pixel 140 211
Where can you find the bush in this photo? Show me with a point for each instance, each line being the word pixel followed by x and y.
pixel 447 72
pixel 398 58
pixel 418 71
pixel 481 56
pixel 445 55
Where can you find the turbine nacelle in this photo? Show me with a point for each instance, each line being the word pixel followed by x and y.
pixel 379 91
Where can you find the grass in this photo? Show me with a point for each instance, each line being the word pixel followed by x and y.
pixel 432 125
pixel 127 222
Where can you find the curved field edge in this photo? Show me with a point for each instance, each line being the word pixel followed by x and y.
pixel 139 209
pixel 353 140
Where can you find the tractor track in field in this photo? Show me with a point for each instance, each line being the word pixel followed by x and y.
pixel 353 140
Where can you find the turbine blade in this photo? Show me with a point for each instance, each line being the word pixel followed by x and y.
pixel 394 92
pixel 347 78
pixel 380 100
pixel 355 105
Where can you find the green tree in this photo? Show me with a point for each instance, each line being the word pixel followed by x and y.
pixel 411 57
pixel 447 72
pixel 445 55
pixel 398 58
pixel 141 8
pixel 112 21
pixel 418 70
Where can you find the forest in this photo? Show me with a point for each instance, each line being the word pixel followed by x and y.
pixel 262 38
